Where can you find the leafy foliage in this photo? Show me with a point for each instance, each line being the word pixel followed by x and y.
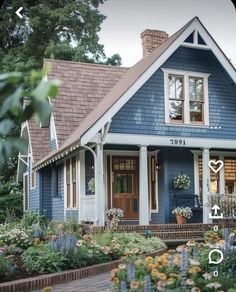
pixel 42 260
pixel 66 30
pixel 22 95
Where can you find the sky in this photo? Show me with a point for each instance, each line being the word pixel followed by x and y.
pixel 127 19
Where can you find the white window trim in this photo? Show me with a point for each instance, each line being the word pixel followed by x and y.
pixel 221 155
pixel 71 184
pixel 186 114
pixel 25 174
pixel 35 179
pixel 150 154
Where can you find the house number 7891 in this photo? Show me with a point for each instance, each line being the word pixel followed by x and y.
pixel 177 142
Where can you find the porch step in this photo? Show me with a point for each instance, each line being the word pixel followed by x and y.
pixel 165 235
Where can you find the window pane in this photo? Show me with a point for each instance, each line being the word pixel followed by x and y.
pixel 68 196
pixel 196 88
pixel 175 87
pixel 230 175
pixel 196 111
pixel 74 169
pixel 74 195
pixel 68 171
pixel 176 110
pixel 123 183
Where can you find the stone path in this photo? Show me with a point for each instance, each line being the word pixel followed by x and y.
pixel 98 283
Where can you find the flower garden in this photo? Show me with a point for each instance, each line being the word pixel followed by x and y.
pixel 35 246
pixel 185 269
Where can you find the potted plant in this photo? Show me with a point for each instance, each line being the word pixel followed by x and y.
pixel 182 214
pixel 114 213
pixel 182 181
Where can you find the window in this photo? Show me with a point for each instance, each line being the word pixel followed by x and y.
pixel 186 97
pixel 153 183
pixel 176 98
pixel 215 178
pixel 26 191
pixel 33 179
pixel 230 175
pixel 89 171
pixel 71 180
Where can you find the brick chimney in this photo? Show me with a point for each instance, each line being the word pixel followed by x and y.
pixel 152 39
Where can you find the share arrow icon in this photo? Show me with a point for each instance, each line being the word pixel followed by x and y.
pixel 18 12
pixel 215 208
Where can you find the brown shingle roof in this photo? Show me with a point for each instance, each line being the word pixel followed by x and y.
pixel 128 79
pixel 40 140
pixel 82 87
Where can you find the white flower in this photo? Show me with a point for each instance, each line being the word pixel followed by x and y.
pixel 214 285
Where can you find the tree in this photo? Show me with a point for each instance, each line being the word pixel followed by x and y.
pixel 62 29
pixel 21 97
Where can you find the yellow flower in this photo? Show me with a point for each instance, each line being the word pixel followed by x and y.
pixel 122 266
pixel 190 282
pixel 151 266
pixel 155 273
pixel 46 289
pixel 114 271
pixel 195 289
pixel 79 243
pixel 162 276
pixel 87 237
pixel 149 259
pixel 175 275
pixel 171 251
pixel 134 284
pixel 191 243
pixel 170 281
pixel 194 270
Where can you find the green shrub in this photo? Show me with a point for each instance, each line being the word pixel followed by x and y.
pixel 42 260
pixel 5 268
pixel 31 218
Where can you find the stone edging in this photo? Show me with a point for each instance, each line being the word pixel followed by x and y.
pixel 39 282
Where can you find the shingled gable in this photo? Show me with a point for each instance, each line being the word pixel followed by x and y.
pixel 131 82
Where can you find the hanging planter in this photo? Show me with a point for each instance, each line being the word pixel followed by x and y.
pixel 182 182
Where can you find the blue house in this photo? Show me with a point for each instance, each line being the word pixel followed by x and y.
pixel 131 131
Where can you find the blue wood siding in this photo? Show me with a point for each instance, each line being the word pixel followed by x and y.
pixel 58 196
pixel 53 202
pixel 172 162
pixel 46 192
pixel 144 113
pixel 34 194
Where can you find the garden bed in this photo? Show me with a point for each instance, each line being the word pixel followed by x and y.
pixel 42 281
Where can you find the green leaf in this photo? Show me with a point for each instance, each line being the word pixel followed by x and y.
pixel 5 127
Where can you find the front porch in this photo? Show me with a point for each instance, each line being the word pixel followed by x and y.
pixel 139 180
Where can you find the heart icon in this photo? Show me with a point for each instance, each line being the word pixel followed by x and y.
pixel 212 164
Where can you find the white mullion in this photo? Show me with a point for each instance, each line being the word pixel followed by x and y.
pixel 186 100
pixel 166 96
pixel 65 191
pixel 222 177
pixel 195 41
pixel 206 101
pixel 71 186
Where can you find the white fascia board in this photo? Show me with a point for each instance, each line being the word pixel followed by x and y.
pixel 134 139
pixel 135 87
pixel 217 52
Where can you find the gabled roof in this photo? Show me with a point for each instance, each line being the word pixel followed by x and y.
pixel 82 87
pixel 132 80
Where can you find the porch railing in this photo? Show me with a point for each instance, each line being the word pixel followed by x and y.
pixel 226 203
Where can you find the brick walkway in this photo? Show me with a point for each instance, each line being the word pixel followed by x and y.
pixel 98 283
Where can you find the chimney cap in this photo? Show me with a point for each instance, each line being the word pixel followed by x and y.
pixel 153 32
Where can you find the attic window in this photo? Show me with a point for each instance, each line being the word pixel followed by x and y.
pixel 200 40
pixel 186 97
pixel 190 38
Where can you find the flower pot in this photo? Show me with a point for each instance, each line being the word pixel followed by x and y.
pixel 180 219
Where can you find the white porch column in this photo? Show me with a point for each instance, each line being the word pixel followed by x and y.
pixel 99 189
pixel 143 187
pixel 206 179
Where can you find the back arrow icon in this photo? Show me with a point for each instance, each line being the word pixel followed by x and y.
pixel 18 12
